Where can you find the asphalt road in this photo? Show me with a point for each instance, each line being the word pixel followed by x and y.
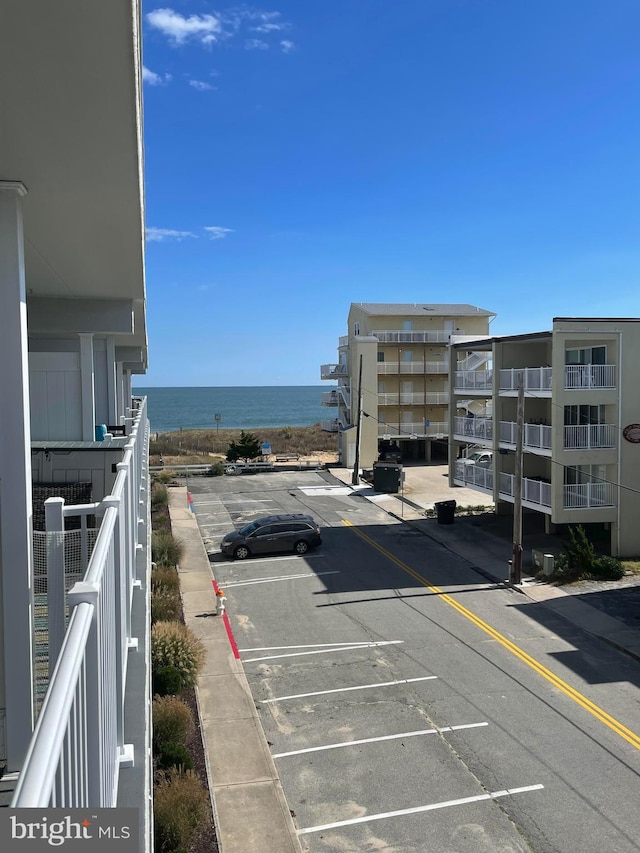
pixel 404 717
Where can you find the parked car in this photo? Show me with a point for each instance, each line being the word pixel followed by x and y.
pixel 481 458
pixel 271 535
pixel 390 453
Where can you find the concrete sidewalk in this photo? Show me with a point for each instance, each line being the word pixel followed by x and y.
pixel 250 810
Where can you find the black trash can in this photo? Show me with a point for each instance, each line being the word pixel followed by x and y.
pixel 387 477
pixel 446 511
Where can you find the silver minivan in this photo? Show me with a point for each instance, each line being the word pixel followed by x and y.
pixel 272 534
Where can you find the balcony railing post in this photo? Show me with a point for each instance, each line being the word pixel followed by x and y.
pixel 122 615
pixel 56 615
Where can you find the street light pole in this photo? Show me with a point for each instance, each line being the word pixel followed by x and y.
pixel 516 563
pixel 356 467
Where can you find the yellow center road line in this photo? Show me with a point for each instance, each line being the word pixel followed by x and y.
pixel 601 715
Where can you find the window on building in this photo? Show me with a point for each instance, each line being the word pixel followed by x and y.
pixel 380 355
pixel 407 325
pixel 576 475
pixel 586 355
pixel 577 415
pixel 356 329
pixel 407 355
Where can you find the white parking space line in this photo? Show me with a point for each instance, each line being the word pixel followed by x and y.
pixel 281 578
pixel 379 739
pixel 324 651
pixel 207 503
pixel 347 689
pixel 507 792
pixel 362 643
pixel 248 501
pixel 312 491
pixel 255 560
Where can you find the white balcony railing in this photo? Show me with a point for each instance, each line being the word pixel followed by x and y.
pixel 472 428
pixel 413 368
pixel 590 436
pixel 398 336
pixel 535 436
pixel 581 376
pixel 438 429
pixel 333 371
pixel 589 495
pixel 535 492
pixel 331 425
pixel 533 378
pixel 474 475
pixel 343 341
pixel 473 380
pixel 402 398
pixel 329 398
pixel 78 745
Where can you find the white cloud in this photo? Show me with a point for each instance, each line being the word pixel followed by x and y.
pixel 201 86
pixel 178 29
pixel 217 232
pixel 287 46
pixel 154 79
pixel 255 44
pixel 158 235
pixel 270 28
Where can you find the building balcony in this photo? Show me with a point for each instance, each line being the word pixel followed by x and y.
pixel 333 371
pixel 590 437
pixel 536 494
pixel 589 495
pixel 473 429
pixel 473 381
pixel 578 377
pixel 398 336
pixel 412 368
pixel 474 476
pixel 538 379
pixel 329 398
pixel 331 425
pixel 400 398
pixel 535 437
pixel 439 429
pixel 344 393
pixel 343 341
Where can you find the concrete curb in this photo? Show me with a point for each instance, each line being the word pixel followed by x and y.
pixel 249 806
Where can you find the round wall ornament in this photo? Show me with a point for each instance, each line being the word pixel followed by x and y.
pixel 632 433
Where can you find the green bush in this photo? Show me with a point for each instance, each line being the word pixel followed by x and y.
pixel 173 644
pixel 166 550
pixel 172 721
pixel 167 681
pixel 607 568
pixel 165 476
pixel 164 577
pixel 166 605
pixel 216 470
pixel 180 808
pixel 580 551
pixel 159 495
pixel 174 755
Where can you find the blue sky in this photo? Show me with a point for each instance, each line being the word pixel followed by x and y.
pixel 306 155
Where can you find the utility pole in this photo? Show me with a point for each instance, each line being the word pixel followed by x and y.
pixel 516 563
pixel 356 467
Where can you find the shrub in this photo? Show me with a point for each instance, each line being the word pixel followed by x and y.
pixel 165 476
pixel 166 605
pixel 166 550
pixel 607 568
pixel 167 681
pixel 174 755
pixel 172 721
pixel 166 577
pixel 173 644
pixel 216 470
pixel 161 521
pixel 159 495
pixel 180 807
pixel 580 551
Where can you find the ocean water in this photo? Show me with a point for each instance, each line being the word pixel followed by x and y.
pixel 171 409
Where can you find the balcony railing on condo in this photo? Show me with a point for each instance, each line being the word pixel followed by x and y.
pixel 533 491
pixel 581 376
pixel 78 745
pixel 343 341
pixel 473 380
pixel 402 398
pixel 474 475
pixel 534 437
pixel 398 336
pixel 590 436
pixel 333 371
pixel 589 495
pixel 330 426
pixel 411 368
pixel 533 378
pixel 419 430
pixel 472 428
pixel 329 398
pixel 345 394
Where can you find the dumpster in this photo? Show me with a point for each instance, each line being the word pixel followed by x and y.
pixel 387 477
pixel 446 511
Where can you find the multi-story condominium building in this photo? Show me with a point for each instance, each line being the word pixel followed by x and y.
pixel 74 508
pixel 581 426
pixel 404 394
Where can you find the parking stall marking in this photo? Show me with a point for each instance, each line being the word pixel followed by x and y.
pixel 280 578
pixel 600 714
pixel 506 792
pixel 256 560
pixel 348 648
pixel 347 689
pixel 342 744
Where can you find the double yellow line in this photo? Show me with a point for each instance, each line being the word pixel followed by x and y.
pixel 601 715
